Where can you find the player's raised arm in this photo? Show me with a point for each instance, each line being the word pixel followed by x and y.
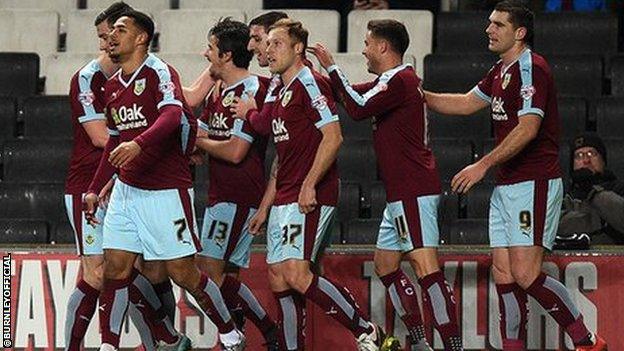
pixel 199 89
pixel 455 104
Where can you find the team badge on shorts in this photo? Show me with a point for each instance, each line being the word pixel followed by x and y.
pixel 525 222
pixel 506 80
pixel 89 239
pixel 228 99
pixel 139 86
pixel 286 98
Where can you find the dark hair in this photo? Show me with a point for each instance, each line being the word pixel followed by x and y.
pixel 519 16
pixel 394 32
pixel 144 22
pixel 232 36
pixel 294 29
pixel 112 13
pixel 268 19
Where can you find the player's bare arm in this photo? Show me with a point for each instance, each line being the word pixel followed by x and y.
pixel 455 104
pixel 96 130
pixel 199 89
pixel 233 150
pixel 325 156
pixel 518 139
pixel 322 54
pixel 256 224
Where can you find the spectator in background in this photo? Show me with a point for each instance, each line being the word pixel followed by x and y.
pixel 594 202
pixel 575 5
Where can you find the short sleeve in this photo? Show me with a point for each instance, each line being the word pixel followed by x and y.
pixel 534 91
pixel 85 106
pixel 169 89
pixel 484 88
pixel 321 104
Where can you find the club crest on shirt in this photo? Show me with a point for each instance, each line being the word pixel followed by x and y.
pixel 228 99
pixel 527 91
pixel 86 98
pixel 139 86
pixel 286 98
pixel 506 80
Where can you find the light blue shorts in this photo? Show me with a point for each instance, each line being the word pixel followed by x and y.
pixel 294 235
pixel 525 213
pixel 160 224
pixel 88 238
pixel 225 233
pixel 410 224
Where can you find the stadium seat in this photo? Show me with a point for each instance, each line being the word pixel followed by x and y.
pixel 451 155
pixel 352 129
pixel 19 73
pixel 356 161
pixel 323 25
pixel 248 6
pixel 576 33
pixel 617 75
pixel 448 211
pixel 461 32
pixel 63 233
pixel 189 66
pixel 353 65
pixel 61 6
pixel 610 117
pixel 23 231
pixel 191 37
pixel 573 114
pixel 29 31
pixel 375 198
pixel 469 232
pixel 36 161
pixel 456 73
pixel 81 33
pixel 361 231
pixel 475 127
pixel 476 203
pixel 577 75
pixel 615 156
pixel 59 68
pixel 153 7
pixel 32 201
pixel 47 117
pixel 349 202
pixel 419 25
pixel 7 119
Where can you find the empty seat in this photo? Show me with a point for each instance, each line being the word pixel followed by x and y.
pixel 448 211
pixel 32 201
pixel 63 234
pixel 461 32
pixel 352 129
pixel 322 25
pixel 353 65
pixel 469 231
pixel 61 6
pixel 451 155
pixel 610 117
pixel 189 66
pixel 577 75
pixel 192 36
pixel 476 203
pixel 47 117
pixel 81 33
pixel 617 75
pixel 615 156
pixel 376 199
pixel 457 73
pixel 573 114
pixel 349 202
pixel 248 6
pixel 361 231
pixel 576 33
pixel 7 118
pixel 153 7
pixel 22 71
pixel 59 68
pixel 419 25
pixel 356 161
pixel 23 231
pixel 37 161
pixel 29 31
pixel 474 127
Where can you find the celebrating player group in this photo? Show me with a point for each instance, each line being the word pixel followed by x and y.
pixel 129 192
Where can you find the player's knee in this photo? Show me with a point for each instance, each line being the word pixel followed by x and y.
pixel 524 276
pixel 115 270
pixel 501 273
pixel 94 277
pixel 385 266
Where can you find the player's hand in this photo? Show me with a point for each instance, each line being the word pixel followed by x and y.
pixel 240 107
pixel 104 195
pixel 322 54
pixel 469 176
pixel 197 159
pixel 257 223
pixel 307 199
pixel 89 205
pixel 124 153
